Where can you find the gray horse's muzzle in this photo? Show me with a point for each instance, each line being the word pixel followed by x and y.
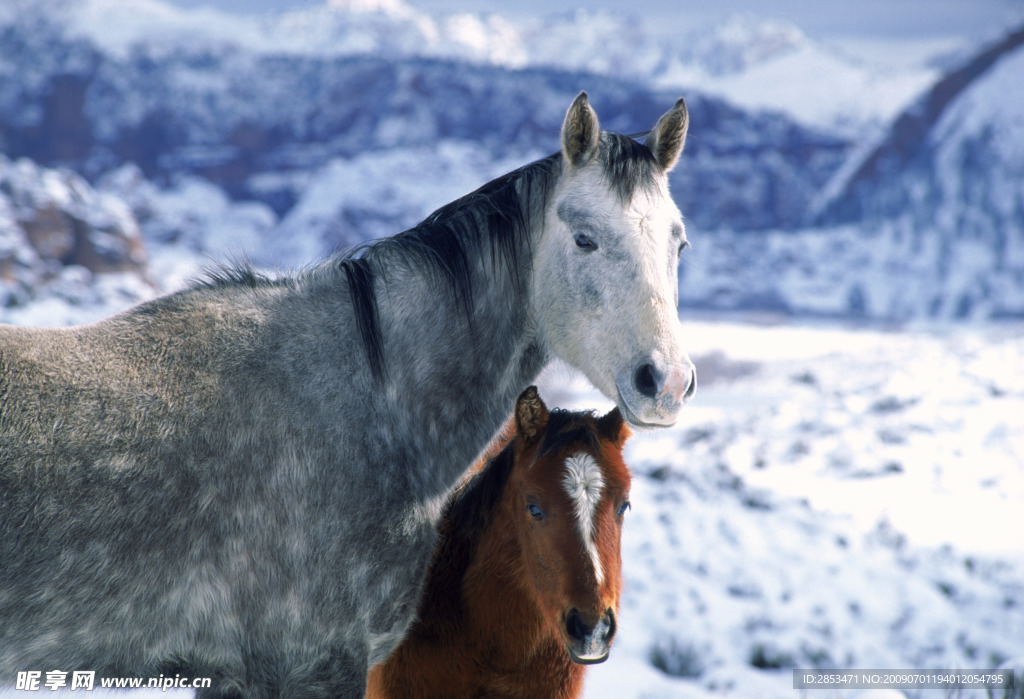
pixel 654 393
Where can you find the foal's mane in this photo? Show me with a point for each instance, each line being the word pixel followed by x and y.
pixel 471 508
pixel 472 505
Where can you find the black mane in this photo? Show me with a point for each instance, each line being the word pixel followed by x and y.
pixel 445 243
pixel 234 274
pixel 470 508
pixel 629 165
pixel 567 427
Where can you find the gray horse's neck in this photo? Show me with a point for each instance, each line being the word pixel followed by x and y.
pixel 454 366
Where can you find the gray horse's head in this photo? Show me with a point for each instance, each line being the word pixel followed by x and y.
pixel 605 269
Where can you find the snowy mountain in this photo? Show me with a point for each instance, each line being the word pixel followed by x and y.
pixel 956 133
pixel 945 186
pixel 291 130
pixel 237 118
pixel 58 234
pixel 925 221
pixel 733 60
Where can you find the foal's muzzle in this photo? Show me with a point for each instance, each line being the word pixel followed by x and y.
pixel 590 642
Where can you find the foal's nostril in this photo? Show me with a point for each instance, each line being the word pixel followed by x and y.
pixel 577 628
pixel 612 625
pixel 692 388
pixel 646 380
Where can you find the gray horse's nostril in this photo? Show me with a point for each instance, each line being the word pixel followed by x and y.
pixel 647 380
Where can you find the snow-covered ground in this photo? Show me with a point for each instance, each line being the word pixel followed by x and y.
pixel 834 496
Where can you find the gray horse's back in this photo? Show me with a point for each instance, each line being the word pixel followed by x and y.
pixel 86 395
pixel 104 437
pixel 154 504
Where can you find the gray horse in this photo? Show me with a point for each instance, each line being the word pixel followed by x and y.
pixel 241 480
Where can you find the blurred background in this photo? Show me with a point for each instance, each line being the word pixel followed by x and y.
pixel 839 161
pixel 847 488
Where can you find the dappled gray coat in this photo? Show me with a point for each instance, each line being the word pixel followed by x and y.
pixel 241 480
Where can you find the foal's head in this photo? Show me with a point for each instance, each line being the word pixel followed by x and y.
pixel 569 489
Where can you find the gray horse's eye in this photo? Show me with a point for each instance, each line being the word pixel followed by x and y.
pixel 585 242
pixel 682 246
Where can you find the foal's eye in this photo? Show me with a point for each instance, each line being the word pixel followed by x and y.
pixel 535 511
pixel 682 246
pixel 585 242
pixel 622 508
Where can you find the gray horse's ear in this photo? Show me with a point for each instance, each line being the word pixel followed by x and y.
pixel 613 428
pixel 580 131
pixel 667 137
pixel 531 415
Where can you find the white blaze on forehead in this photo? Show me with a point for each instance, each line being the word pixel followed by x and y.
pixel 584 483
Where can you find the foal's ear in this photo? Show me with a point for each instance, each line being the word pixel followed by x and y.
pixel 613 428
pixel 667 137
pixel 580 131
pixel 531 415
